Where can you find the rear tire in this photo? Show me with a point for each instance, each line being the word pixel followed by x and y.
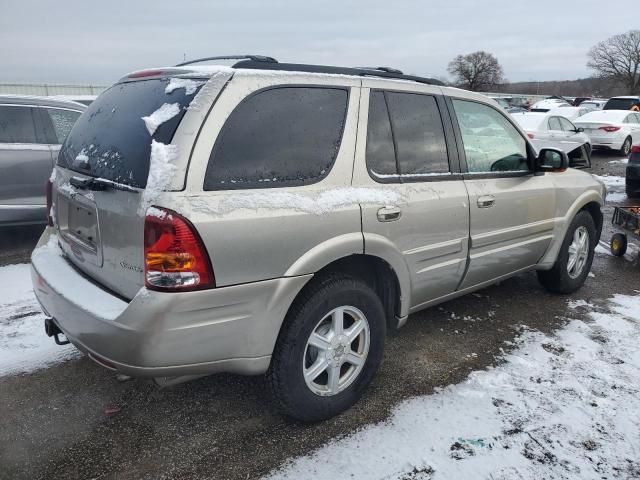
pixel 618 244
pixel 626 147
pixel 299 393
pixel 572 266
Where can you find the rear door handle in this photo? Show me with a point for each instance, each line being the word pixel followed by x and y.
pixel 486 201
pixel 389 214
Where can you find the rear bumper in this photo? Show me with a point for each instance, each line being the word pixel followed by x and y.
pixel 157 334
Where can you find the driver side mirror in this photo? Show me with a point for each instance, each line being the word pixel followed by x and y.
pixel 552 160
pixel 578 130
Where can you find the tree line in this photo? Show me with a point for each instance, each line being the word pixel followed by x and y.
pixel 615 63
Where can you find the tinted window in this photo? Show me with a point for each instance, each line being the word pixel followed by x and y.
pixel 567 126
pixel 279 137
pixel 554 123
pixel 491 142
pixel 620 104
pixel 381 156
pixel 17 124
pixel 62 121
pixel 112 135
pixel 419 134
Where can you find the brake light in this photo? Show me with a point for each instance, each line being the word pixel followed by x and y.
pixel 609 129
pixel 175 258
pixel 145 73
pixel 49 193
pixel 635 149
pixel 531 136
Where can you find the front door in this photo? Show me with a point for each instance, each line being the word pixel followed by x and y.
pixel 406 146
pixel 511 209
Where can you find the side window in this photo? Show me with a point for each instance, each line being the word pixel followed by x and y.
pixel 380 154
pixel 491 142
pixel 62 121
pixel 637 117
pixel 279 137
pixel 567 126
pixel 554 123
pixel 419 134
pixel 17 124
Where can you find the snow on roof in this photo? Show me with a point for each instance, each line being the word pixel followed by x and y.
pixel 605 116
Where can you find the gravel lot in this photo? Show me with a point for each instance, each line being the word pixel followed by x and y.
pixel 75 420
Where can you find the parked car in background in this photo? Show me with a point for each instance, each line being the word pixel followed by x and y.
pixel 623 103
pixel 282 218
pixel 570 113
pixel 548 104
pixel 502 102
pixel 612 129
pixel 579 100
pixel 553 130
pixel 633 173
pixel 32 130
pixel 594 104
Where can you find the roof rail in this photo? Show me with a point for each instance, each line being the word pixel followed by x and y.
pixel 382 69
pixel 253 58
pixel 383 72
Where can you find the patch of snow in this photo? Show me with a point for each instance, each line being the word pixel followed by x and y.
pixel 616 197
pixel 52 177
pixel 190 86
pixel 165 113
pixel 560 406
pixel 161 169
pixel 316 203
pixel 409 175
pixel 82 157
pixel 611 180
pixel 623 161
pixel 24 347
pixel 158 213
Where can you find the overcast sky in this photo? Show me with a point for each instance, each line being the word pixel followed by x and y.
pixel 86 41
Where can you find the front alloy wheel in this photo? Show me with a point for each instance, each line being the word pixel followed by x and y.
pixel 336 351
pixel 578 252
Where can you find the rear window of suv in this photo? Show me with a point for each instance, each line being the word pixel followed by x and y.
pixel 621 103
pixel 111 141
pixel 280 137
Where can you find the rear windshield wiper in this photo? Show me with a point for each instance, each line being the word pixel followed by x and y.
pixel 98 184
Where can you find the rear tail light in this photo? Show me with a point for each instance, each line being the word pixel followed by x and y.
pixel 531 136
pixel 49 190
pixel 175 258
pixel 609 129
pixel 635 149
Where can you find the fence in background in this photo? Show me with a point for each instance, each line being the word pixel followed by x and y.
pixel 47 89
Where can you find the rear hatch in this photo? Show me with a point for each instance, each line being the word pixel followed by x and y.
pixel 103 170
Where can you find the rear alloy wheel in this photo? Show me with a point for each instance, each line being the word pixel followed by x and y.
pixel 572 266
pixel 626 147
pixel 329 348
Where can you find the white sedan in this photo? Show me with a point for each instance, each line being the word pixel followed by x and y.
pixel 550 126
pixel 548 104
pixel 614 129
pixel 571 113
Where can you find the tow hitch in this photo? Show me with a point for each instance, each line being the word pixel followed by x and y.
pixel 53 330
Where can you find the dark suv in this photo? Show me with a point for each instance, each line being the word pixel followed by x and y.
pixel 633 173
pixel 32 130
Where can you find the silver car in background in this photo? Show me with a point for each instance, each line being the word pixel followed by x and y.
pixel 281 218
pixel 32 130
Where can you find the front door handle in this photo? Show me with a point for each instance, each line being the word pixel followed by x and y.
pixel 389 214
pixel 486 201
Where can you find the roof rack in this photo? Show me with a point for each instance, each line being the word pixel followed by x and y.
pixel 384 72
pixel 253 58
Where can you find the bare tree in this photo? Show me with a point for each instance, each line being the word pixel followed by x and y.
pixel 618 58
pixel 476 70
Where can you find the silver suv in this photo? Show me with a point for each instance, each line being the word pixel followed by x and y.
pixel 280 219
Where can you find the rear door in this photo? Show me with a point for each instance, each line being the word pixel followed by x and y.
pixel 406 145
pixel 511 210
pixel 25 161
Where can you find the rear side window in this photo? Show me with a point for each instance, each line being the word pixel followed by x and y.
pixel 62 121
pixel 416 147
pixel 111 141
pixel 554 123
pixel 285 136
pixel 567 126
pixel 17 124
pixel 620 104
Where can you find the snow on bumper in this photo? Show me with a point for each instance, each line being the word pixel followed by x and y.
pixel 229 329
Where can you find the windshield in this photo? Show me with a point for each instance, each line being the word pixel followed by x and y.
pixel 112 141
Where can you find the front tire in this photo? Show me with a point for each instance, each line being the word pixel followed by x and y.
pixel 572 266
pixel 329 348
